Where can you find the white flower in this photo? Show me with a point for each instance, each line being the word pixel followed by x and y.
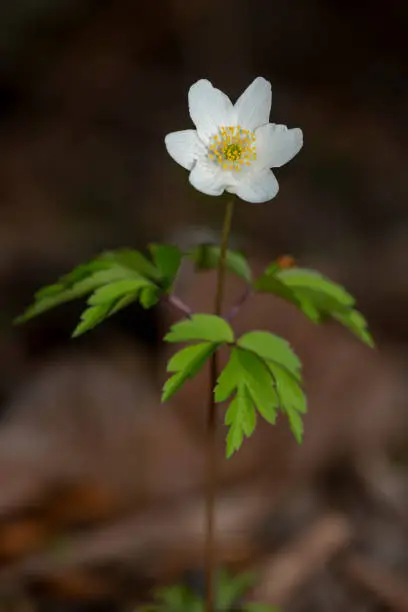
pixel 234 146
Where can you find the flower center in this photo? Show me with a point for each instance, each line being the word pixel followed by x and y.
pixel 233 148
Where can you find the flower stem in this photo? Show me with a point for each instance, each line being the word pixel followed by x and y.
pixel 211 447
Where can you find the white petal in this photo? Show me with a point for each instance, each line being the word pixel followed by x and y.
pixel 209 109
pixel 208 178
pixel 276 145
pixel 184 147
pixel 254 105
pixel 258 186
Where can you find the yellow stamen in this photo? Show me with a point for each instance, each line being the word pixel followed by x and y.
pixel 232 148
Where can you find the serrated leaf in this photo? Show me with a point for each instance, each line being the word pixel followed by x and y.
pixel 185 357
pixel 172 385
pixel 241 417
pixel 229 378
pixel 288 389
pixel 80 273
pixel 249 377
pixel 298 278
pixel 95 314
pixel 123 302
pixel 259 384
pixel 54 295
pixel 270 347
pixel 317 297
pixel 85 278
pixel 91 317
pixel 246 370
pixel 167 259
pixel 115 279
pixel 201 327
pixel 268 283
pixel 186 363
pixel 134 261
pixel 235 437
pixel 296 424
pixel 206 257
pixel 113 291
pixel 292 398
pixel 356 323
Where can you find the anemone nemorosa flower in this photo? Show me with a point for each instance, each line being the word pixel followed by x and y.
pixel 233 147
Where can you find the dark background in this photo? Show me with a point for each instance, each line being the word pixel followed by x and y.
pixel 89 89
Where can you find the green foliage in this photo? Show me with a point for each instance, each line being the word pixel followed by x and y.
pixel 177 598
pixel 149 296
pixel 316 296
pixel 186 363
pixel 229 590
pixel 205 327
pixel 210 331
pixel 113 280
pixel 263 374
pixel 206 257
pixel 273 349
pixel 167 259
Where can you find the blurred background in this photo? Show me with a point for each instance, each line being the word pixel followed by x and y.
pixel 100 485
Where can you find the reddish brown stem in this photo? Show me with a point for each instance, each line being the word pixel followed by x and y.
pixel 211 447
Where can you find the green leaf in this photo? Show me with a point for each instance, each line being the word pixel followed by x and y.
pixel 292 398
pixel 167 259
pixel 201 327
pixel 249 377
pixel 80 273
pixel 107 268
pixel 174 597
pixel 123 302
pixel 178 598
pixel 241 417
pixel 246 371
pixel 289 391
pixel 99 311
pixel 271 348
pixel 113 291
pixel 235 435
pixel 317 297
pixel 91 317
pixel 297 278
pixel 228 379
pixel 133 261
pixel 264 373
pixel 114 279
pixel 186 363
pixel 355 322
pixel 259 384
pixel 149 296
pixel 296 424
pixel 268 283
pixel 230 589
pixel 206 257
pixel 55 295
